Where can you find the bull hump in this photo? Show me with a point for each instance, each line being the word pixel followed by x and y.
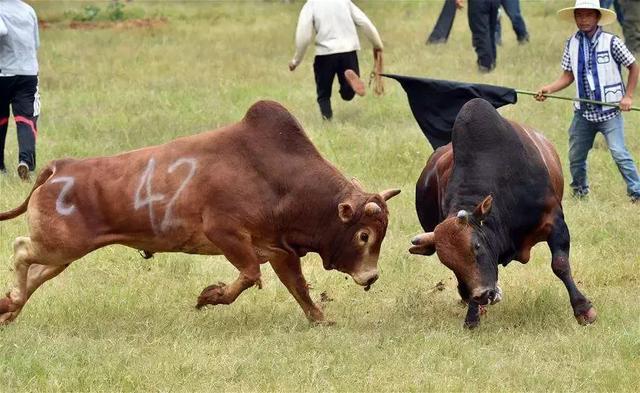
pixel 274 124
pixel 480 126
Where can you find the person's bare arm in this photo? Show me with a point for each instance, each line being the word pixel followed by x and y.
pixel 563 81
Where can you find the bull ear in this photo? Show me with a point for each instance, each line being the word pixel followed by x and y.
pixel 345 212
pixel 484 208
pixel 388 194
pixel 424 244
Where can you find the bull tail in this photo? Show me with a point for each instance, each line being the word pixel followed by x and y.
pixel 44 175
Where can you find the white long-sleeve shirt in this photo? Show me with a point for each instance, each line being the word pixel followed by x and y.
pixel 334 23
pixel 19 39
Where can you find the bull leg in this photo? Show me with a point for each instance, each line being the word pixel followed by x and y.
pixel 239 252
pixel 289 271
pixel 16 298
pixel 38 274
pixel 559 241
pixel 472 319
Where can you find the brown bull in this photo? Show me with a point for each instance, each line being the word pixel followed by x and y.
pixel 254 191
pixel 486 199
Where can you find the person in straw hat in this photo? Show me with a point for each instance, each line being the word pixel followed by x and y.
pixel 592 58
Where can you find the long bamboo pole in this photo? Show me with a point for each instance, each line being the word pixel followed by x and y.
pixel 533 93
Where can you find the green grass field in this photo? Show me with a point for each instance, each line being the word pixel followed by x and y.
pixel 116 322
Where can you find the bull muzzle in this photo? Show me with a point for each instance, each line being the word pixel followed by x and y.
pixel 485 296
pixel 366 278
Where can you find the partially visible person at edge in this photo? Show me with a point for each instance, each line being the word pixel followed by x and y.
pixel 631 24
pixel 336 40
pixel 592 57
pixel 512 9
pixel 483 17
pixel 616 6
pixel 19 41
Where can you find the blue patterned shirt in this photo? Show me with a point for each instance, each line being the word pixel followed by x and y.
pixel 621 55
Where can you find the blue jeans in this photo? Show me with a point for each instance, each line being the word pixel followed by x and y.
pixel 616 6
pixel 581 135
pixel 512 8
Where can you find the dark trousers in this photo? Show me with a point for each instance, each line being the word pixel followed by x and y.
pixel 325 68
pixel 443 26
pixel 20 94
pixel 512 9
pixel 631 25
pixel 483 15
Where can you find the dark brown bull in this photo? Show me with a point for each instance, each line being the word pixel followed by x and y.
pixel 255 191
pixel 486 199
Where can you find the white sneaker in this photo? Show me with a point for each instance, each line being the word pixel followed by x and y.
pixel 23 171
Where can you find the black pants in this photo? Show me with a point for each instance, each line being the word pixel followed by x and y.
pixel 443 26
pixel 325 68
pixel 483 16
pixel 20 93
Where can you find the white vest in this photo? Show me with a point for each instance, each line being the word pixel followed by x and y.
pixel 605 80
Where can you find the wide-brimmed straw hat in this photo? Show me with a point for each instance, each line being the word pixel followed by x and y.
pixel 607 17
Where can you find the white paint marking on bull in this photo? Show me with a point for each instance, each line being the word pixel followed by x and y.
pixel 168 220
pixel 145 183
pixel 148 198
pixel 61 208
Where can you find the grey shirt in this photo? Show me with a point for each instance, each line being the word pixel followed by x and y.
pixel 19 39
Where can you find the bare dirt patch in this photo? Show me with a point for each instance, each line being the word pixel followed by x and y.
pixel 120 25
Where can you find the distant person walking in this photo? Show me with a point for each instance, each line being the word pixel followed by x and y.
pixel 336 40
pixel 442 29
pixel 512 9
pixel 592 58
pixel 19 41
pixel 483 17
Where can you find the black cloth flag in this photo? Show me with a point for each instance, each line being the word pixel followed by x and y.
pixel 436 103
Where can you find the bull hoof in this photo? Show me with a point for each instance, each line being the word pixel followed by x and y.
pixel 323 322
pixel 7 311
pixel 213 294
pixel 588 317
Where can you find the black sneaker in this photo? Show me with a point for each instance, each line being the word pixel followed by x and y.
pixel 23 171
pixel 635 198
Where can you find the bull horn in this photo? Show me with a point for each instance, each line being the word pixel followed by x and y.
pixel 371 209
pixel 388 194
pixel 423 244
pixel 463 216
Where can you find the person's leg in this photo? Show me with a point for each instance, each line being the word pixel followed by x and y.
pixel 613 131
pixel 323 68
pixel 482 35
pixel 494 6
pixel 442 29
pixel 26 108
pixel 5 98
pixel 350 83
pixel 619 11
pixel 498 34
pixel 512 8
pixel 631 24
pixel 606 3
pixel 581 136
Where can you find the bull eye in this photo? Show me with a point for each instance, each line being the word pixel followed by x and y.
pixel 364 237
pixel 477 246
